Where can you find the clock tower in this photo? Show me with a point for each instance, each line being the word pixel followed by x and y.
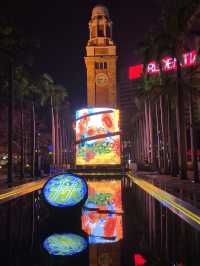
pixel 101 60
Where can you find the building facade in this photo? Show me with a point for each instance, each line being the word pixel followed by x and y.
pixel 101 60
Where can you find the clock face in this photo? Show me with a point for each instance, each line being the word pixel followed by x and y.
pixel 101 79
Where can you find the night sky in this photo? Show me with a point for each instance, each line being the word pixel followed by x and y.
pixel 62 29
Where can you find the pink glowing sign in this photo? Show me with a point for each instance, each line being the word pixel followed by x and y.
pixel 168 64
pixel 135 72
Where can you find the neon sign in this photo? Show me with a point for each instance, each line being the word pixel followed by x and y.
pixel 135 72
pixel 168 64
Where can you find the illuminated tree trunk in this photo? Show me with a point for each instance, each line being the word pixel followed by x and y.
pixel 33 140
pixel 57 139
pixel 53 131
pixel 193 139
pixel 144 137
pixel 22 140
pixel 137 141
pixel 10 124
pixel 180 120
pixel 152 150
pixel 163 130
pixel 60 143
pixel 147 129
pixel 158 136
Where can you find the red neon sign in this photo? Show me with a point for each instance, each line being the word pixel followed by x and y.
pixel 168 64
pixel 152 68
pixel 135 72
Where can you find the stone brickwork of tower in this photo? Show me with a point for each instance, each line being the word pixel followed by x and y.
pixel 101 61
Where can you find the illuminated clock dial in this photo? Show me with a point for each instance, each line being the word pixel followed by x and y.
pixel 101 79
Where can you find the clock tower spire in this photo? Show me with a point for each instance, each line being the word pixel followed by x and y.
pixel 101 60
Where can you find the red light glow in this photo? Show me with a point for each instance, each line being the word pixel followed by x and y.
pixel 135 72
pixel 139 260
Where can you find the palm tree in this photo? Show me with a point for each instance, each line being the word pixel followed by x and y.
pixel 55 95
pixel 168 39
pixel 12 45
pixel 22 91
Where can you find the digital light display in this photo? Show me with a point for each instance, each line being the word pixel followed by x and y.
pixel 65 190
pixel 168 64
pixel 102 212
pixel 64 244
pixel 97 136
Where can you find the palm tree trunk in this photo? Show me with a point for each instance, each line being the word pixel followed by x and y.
pixel 163 130
pixel 57 139
pixel 147 128
pixel 152 150
pixel 170 136
pixel 180 119
pixel 53 131
pixel 158 136
pixel 33 140
pixel 144 136
pixel 63 142
pixel 193 138
pixel 10 125
pixel 22 140
pixel 60 144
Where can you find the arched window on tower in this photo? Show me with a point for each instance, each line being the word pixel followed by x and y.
pixel 101 31
pixel 101 65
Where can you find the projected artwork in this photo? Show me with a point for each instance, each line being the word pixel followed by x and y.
pixel 64 244
pixel 102 213
pixel 97 136
pixel 65 190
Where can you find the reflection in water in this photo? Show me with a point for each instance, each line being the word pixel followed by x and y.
pixel 102 213
pixel 64 244
pixel 151 232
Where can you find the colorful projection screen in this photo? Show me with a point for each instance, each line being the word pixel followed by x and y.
pixel 102 212
pixel 97 137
